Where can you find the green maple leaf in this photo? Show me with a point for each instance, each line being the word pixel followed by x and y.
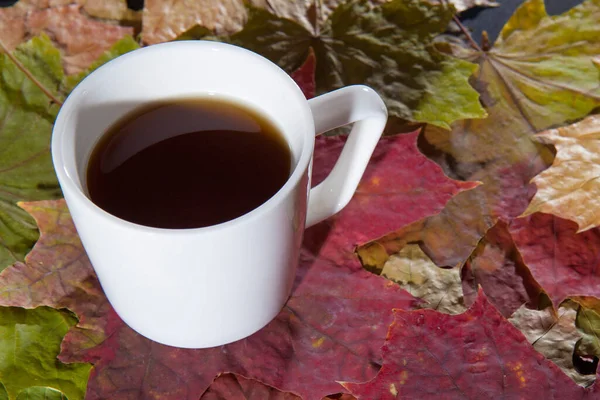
pixel 26 117
pixel 32 86
pixel 29 344
pixel 388 47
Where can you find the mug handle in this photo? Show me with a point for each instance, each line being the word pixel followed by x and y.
pixel 363 106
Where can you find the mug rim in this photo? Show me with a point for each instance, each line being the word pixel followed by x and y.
pixel 74 185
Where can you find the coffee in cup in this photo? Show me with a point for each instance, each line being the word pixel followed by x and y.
pixel 188 163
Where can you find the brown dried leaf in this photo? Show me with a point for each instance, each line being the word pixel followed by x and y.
pixel 448 238
pixel 554 334
pixel 165 20
pixel 439 288
pixel 116 10
pixel 570 188
pixel 80 39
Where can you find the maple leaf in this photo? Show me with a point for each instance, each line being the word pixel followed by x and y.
pixel 388 47
pixel 458 350
pixel 564 262
pixel 32 85
pixel 539 73
pixel 29 342
pixel 569 188
pixel 79 38
pixel 498 268
pixel 331 328
pixel 26 115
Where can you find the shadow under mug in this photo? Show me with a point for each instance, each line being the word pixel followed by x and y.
pixel 205 287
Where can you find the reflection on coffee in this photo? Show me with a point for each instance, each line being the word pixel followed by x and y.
pixel 188 163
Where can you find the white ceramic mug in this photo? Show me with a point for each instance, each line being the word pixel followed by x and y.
pixel 209 286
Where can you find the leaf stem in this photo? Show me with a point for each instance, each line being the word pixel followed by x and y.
pixel 464 30
pixel 23 69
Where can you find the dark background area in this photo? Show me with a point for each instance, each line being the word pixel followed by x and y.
pixel 493 19
pixel 477 19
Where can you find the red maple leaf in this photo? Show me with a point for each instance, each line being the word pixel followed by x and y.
pixel 331 329
pixel 474 355
pixel 564 262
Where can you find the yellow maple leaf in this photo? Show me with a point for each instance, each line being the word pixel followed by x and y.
pixel 570 188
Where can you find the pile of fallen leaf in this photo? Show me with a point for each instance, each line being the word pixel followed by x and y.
pixel 466 266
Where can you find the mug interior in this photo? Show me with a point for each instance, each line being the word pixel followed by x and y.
pixel 171 71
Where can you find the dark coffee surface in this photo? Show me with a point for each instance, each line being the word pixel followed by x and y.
pixel 188 164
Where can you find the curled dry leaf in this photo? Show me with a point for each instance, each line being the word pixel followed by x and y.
pixel 331 329
pixel 553 334
pixel 29 343
pixel 539 73
pixel 81 39
pixel 570 188
pixel 475 355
